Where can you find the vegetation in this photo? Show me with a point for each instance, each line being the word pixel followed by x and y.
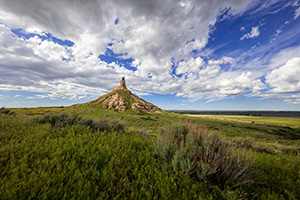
pixel 244 113
pixel 276 120
pixel 203 156
pixel 88 152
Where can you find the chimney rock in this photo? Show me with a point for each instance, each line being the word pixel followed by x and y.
pixel 122 85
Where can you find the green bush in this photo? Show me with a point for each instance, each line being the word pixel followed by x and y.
pixel 63 120
pixel 59 120
pixel 164 149
pixel 103 124
pixel 203 156
pixel 116 125
pixel 181 162
pixel 295 151
pixel 279 176
pixel 6 111
pixel 177 133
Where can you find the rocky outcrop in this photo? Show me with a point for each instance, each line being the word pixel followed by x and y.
pixel 114 101
pixel 122 85
pixel 122 99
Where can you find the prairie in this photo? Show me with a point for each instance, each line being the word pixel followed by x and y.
pixel 276 120
pixel 89 152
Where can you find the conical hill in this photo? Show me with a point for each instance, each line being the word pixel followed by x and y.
pixel 122 99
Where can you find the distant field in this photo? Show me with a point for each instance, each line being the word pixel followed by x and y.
pixel 276 120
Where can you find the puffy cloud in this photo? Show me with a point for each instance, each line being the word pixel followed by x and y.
pixel 151 32
pixel 254 33
pixel 209 72
pixel 285 78
pixel 143 27
pixel 284 82
pixel 36 65
pixel 213 85
pixel 282 57
pixel 191 65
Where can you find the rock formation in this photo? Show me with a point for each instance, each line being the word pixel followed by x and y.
pixel 122 99
pixel 122 85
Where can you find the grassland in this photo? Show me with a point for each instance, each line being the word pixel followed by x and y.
pixel 275 120
pixel 88 152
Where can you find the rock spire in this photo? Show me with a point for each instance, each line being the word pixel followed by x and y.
pixel 122 85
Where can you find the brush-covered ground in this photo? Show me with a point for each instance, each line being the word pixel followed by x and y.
pixel 87 152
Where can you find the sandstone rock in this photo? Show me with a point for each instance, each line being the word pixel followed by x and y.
pixel 122 85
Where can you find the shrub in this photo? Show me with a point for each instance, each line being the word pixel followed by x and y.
pixel 164 149
pixel 103 124
pixel 295 151
pixel 59 120
pixel 181 162
pixel 63 120
pixel 177 132
pixel 6 111
pixel 263 149
pixel 203 156
pixel 116 125
pixel 241 143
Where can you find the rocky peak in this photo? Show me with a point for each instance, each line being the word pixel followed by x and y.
pixel 122 85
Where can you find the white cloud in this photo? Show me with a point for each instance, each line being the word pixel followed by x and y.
pixel 276 35
pixel 37 66
pixel 213 85
pixel 284 82
pixel 297 13
pixel 153 33
pixel 42 70
pixel 223 60
pixel 197 44
pixel 285 78
pixel 209 72
pixel 191 65
pixel 254 33
pixel 282 57
pixel 292 99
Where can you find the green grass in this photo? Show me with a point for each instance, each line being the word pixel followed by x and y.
pixel 285 121
pixel 40 162
pixel 48 153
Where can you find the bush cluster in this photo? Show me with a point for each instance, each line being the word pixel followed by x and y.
pixel 63 120
pixel 203 156
pixel 6 111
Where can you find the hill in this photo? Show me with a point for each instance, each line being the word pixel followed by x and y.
pixel 122 99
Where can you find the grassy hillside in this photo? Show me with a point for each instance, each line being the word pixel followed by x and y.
pixel 88 152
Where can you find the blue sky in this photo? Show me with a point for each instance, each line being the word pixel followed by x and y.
pixel 177 54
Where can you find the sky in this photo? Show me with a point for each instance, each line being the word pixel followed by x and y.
pixel 176 54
